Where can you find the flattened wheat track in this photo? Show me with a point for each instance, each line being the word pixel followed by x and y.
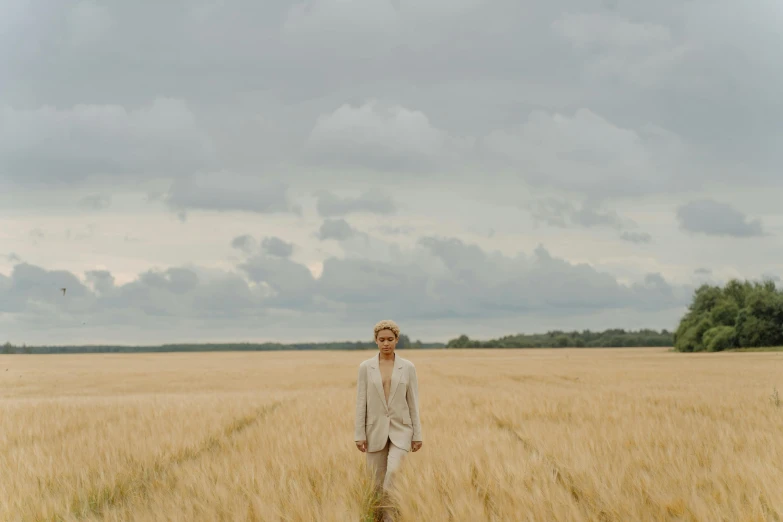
pixel 592 503
pixel 141 478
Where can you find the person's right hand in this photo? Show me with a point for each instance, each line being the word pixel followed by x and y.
pixel 362 445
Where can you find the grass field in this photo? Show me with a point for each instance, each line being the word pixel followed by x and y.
pixel 513 435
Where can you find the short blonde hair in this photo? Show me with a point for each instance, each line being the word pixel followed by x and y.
pixel 387 324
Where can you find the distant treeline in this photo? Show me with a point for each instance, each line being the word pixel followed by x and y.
pixel 614 338
pixel 554 339
pixel 403 343
pixel 742 314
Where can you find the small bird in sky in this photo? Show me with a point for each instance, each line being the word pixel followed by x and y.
pixel 63 289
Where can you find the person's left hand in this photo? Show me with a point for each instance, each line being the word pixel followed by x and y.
pixel 416 445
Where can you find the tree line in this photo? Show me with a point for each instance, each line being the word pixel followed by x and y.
pixel 613 338
pixel 555 338
pixel 742 314
pixel 404 342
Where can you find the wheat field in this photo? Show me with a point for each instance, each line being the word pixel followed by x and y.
pixel 510 435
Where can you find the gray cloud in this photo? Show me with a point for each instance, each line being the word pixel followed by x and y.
pixel 271 246
pixel 439 278
pixel 396 230
pixel 175 280
pixel 611 31
pixel 588 217
pixel 33 295
pixel 34 288
pixel 182 292
pixel 234 107
pixel 554 212
pixel 384 138
pixel 292 284
pixel 101 281
pixel 274 246
pixel 636 237
pixel 562 213
pixel 714 218
pixel 378 202
pixel 227 192
pixel 457 279
pixel 96 201
pixel 629 108
pixel 375 137
pixel 338 229
pixel 49 146
pixel 88 233
pixel 246 243
pixel 584 152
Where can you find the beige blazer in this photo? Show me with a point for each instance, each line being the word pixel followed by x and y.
pixel 399 419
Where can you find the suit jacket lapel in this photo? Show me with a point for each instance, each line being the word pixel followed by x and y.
pixel 395 380
pixel 375 377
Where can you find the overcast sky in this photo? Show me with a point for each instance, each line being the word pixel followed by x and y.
pixel 297 171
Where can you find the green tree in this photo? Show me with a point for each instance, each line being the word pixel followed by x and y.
pixel 725 312
pixel 720 338
pixel 463 341
pixel 738 291
pixel 742 314
pixel 705 299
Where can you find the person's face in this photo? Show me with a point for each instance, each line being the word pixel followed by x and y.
pixel 386 341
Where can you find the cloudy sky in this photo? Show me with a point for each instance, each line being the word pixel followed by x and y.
pixel 296 171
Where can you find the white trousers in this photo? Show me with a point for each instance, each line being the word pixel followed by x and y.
pixel 384 464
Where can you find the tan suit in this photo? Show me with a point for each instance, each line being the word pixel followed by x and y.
pixel 398 421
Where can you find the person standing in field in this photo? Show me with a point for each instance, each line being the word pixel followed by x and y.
pixel 387 423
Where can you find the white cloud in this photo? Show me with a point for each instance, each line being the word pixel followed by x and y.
pixel 376 136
